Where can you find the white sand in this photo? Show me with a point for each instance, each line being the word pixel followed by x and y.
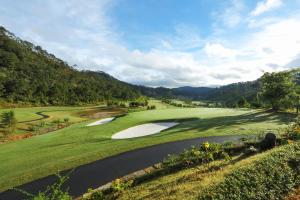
pixel 102 121
pixel 143 130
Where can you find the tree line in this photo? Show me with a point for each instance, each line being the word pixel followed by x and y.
pixel 30 74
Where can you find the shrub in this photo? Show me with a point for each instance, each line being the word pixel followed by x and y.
pixel 66 120
pixel 122 105
pixel 94 195
pixel 42 124
pixel 268 142
pixel 293 131
pixel 9 121
pixel 203 155
pixel 33 127
pixel 118 185
pixel 56 121
pixel 270 177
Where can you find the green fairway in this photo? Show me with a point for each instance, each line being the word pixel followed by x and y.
pixel 29 114
pixel 34 115
pixel 36 157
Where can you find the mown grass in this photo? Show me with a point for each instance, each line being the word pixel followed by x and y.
pixel 27 117
pixel 265 176
pixel 36 157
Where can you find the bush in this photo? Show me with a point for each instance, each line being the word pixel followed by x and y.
pixel 153 107
pixel 268 142
pixel 122 105
pixel 56 121
pixel 9 121
pixel 33 127
pixel 118 185
pixel 293 131
pixel 271 177
pixel 95 195
pixel 66 120
pixel 203 155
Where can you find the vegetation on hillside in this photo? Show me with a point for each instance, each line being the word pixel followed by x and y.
pixel 30 74
pixel 270 175
pixel 276 90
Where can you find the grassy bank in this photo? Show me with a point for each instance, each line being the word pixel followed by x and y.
pixel 270 175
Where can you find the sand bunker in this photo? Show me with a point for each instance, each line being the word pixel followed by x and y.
pixel 143 130
pixel 102 121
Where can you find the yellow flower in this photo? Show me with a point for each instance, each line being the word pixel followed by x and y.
pixel 196 153
pixel 205 145
pixel 290 141
pixel 117 181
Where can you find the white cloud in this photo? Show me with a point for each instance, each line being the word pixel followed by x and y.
pixel 217 50
pixel 86 36
pixel 231 16
pixel 264 6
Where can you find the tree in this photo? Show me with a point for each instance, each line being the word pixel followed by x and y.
pixel 9 121
pixel 243 103
pixel 278 89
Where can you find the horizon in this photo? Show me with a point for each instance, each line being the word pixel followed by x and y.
pixel 166 44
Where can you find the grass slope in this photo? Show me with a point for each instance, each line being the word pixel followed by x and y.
pixel 269 175
pixel 36 157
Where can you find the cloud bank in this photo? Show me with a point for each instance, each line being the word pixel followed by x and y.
pixel 239 49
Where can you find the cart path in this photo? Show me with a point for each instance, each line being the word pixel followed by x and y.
pixel 102 171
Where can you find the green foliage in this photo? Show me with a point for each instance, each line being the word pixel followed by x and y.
pixel 278 89
pixel 30 74
pixel 119 185
pixel 293 131
pixel 94 195
pixel 271 177
pixel 196 155
pixel 53 192
pixel 56 121
pixel 9 121
pixel 66 120
pixel 152 107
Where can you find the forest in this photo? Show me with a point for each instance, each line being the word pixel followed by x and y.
pixel 30 74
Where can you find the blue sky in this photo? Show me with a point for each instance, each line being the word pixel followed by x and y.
pixel 164 42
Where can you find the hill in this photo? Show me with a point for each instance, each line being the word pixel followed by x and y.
pixel 30 74
pixel 229 95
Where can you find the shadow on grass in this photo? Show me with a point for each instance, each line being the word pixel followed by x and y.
pixel 222 122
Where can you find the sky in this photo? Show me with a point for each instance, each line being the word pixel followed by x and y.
pixel 168 43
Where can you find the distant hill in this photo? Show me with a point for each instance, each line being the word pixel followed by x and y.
pixel 30 74
pixel 193 92
pixel 229 95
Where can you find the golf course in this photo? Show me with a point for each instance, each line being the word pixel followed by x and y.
pixel 154 100
pixel 36 157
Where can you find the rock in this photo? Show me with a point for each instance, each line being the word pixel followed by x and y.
pixel 250 151
pixel 268 142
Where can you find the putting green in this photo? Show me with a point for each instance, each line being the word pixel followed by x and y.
pixel 25 160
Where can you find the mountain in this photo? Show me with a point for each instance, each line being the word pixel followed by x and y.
pixel 30 74
pixel 229 95
pixel 193 92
